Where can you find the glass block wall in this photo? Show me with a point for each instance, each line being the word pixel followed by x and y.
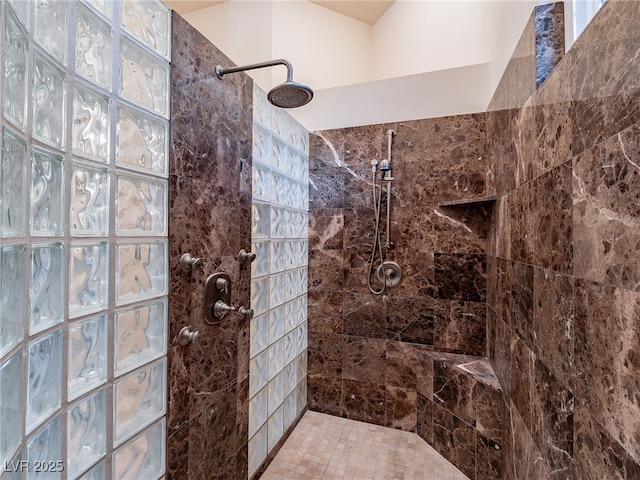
pixel 83 238
pixel 278 366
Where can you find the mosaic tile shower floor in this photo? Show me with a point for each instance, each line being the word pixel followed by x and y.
pixel 331 448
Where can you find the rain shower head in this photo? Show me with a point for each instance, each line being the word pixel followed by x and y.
pixel 289 94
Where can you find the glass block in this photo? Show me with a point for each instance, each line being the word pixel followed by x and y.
pixel 99 472
pixel 51 27
pixel 89 215
pixel 261 182
pixel 276 324
pixel 295 194
pixel 44 448
pixel 305 196
pixel 302 308
pixel 301 395
pixel 10 405
pixel 141 205
pixel 148 20
pixel 257 412
pixel 303 253
pixel 279 123
pixel 278 155
pixel 302 337
pixel 258 372
pixel 290 285
pixel 290 315
pixel 276 358
pixel 260 295
pixel 295 134
pixel 302 142
pixel 90 130
pixel 13 263
pixel 259 334
pixel 304 225
pixel 278 222
pixel 302 280
pixel 277 290
pixel 289 410
pixel 22 9
pixel 143 456
pixel 94 40
pixel 86 432
pixel 140 335
pixel 88 278
pixel 261 107
pixel 301 365
pixel 142 141
pixel 12 183
pixel 141 271
pixel 261 145
pixel 103 6
pixel 257 450
pixel 47 198
pixel 275 393
pixel 294 219
pixel 138 399
pixel 49 94
pixel 290 378
pixel 278 256
pixel 291 253
pixel 278 188
pixel 144 79
pixel 44 382
pixel 16 47
pixel 87 355
pixel 290 346
pixel 295 167
pixel 275 428
pixel 260 266
pixel 46 288
pixel 260 220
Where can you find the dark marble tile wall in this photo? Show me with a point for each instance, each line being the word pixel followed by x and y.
pixel 563 293
pixel 373 358
pixel 209 217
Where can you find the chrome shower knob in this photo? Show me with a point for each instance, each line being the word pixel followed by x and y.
pixel 187 336
pixel 246 313
pixel 245 256
pixel 188 262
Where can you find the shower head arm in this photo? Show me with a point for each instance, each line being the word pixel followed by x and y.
pixel 221 72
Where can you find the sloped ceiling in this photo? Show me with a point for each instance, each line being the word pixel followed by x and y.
pixel 367 11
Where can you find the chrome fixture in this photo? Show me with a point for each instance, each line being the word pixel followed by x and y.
pixel 217 300
pixel 217 297
pixel 244 256
pixel 389 274
pixel 289 94
pixel 188 262
pixel 246 313
pixel 187 336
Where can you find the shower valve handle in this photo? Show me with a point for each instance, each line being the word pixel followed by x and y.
pixel 220 309
pixel 246 313
pixel 245 256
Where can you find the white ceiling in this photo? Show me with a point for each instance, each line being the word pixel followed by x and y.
pixel 367 11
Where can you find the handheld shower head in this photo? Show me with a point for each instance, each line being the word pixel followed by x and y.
pixel 385 165
pixel 289 94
